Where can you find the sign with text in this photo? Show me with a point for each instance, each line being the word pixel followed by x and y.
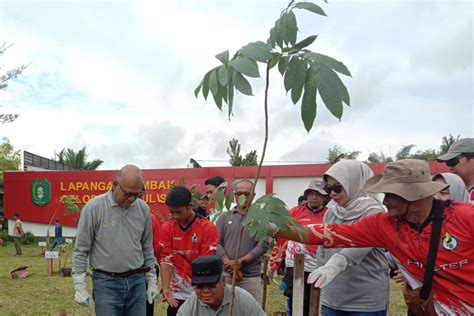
pixel 51 254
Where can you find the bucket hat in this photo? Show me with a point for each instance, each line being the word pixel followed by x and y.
pixel 206 270
pixel 317 186
pixel 408 178
pixel 459 147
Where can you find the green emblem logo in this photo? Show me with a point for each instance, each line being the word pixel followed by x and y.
pixel 40 192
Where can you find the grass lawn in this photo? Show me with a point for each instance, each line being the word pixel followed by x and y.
pixel 40 294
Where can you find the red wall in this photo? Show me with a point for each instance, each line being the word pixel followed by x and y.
pixel 17 185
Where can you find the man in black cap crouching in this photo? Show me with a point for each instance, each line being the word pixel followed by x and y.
pixel 211 294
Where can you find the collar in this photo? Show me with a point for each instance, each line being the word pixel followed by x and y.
pixel 312 210
pixel 189 225
pixel 111 199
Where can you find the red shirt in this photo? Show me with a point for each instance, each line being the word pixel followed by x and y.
pixel 305 216
pixel 453 281
pixel 181 246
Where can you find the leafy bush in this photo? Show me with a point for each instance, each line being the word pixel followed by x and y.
pixel 29 238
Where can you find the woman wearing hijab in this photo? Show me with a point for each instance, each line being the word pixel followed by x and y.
pixel 352 281
pixel 456 190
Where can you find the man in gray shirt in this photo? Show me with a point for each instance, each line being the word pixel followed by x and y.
pixel 115 234
pixel 211 295
pixel 250 257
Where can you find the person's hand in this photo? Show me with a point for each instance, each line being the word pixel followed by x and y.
pixel 325 274
pixel 398 277
pixel 272 229
pixel 227 264
pixel 239 276
pixel 152 289
pixel 168 295
pixel 81 295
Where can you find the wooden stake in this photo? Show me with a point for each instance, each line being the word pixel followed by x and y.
pixel 265 281
pixel 298 285
pixel 314 301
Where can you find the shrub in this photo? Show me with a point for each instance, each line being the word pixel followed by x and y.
pixel 29 238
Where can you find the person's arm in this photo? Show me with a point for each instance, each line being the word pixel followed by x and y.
pixel 166 275
pixel 210 240
pixel 147 242
pixel 363 233
pixel 278 254
pixel 258 251
pixel 220 250
pixel 84 239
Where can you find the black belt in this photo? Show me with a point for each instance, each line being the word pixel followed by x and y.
pixel 125 274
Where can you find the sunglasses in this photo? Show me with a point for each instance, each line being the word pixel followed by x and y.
pixel 453 162
pixel 336 188
pixel 128 195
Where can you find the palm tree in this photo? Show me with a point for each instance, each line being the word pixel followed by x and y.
pixel 446 142
pixel 77 160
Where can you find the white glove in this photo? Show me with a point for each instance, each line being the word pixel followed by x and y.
pixel 272 229
pixel 82 296
pixel 325 274
pixel 152 289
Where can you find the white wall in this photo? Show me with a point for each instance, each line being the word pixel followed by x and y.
pixel 290 188
pixel 40 229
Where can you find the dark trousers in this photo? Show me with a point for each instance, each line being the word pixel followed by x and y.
pixel 174 311
pixel 17 241
pixel 288 292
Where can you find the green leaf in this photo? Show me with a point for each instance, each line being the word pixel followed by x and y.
pixel 213 84
pixel 291 28
pixel 230 96
pixel 280 31
pixel 283 64
pixel 298 81
pixel 223 75
pixel 245 66
pixel 306 42
pixel 275 59
pixel 241 200
pixel 268 209
pixel 308 104
pixel 310 7
pixel 330 62
pixel 205 84
pixel 229 199
pixel 196 91
pixel 292 72
pixel 223 57
pixel 241 83
pixel 331 89
pixel 258 51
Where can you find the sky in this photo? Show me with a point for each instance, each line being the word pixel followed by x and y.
pixel 118 77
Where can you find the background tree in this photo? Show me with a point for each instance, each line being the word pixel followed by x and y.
pixel 446 142
pixel 77 160
pixel 10 159
pixel 236 158
pixel 335 154
pixel 4 78
pixel 381 157
pixel 404 152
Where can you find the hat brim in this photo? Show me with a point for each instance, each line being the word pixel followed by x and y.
pixel 409 191
pixel 208 279
pixel 448 156
pixel 320 191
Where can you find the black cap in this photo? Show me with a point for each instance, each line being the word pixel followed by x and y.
pixel 206 269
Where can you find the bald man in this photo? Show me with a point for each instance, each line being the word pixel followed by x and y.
pixel 115 235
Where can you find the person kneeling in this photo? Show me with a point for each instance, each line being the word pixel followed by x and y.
pixel 211 294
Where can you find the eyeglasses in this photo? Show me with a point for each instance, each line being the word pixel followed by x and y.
pixel 453 162
pixel 128 195
pixel 336 188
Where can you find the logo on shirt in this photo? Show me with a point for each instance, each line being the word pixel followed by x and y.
pixel 194 239
pixel 450 242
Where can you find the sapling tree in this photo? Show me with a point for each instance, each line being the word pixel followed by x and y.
pixel 305 73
